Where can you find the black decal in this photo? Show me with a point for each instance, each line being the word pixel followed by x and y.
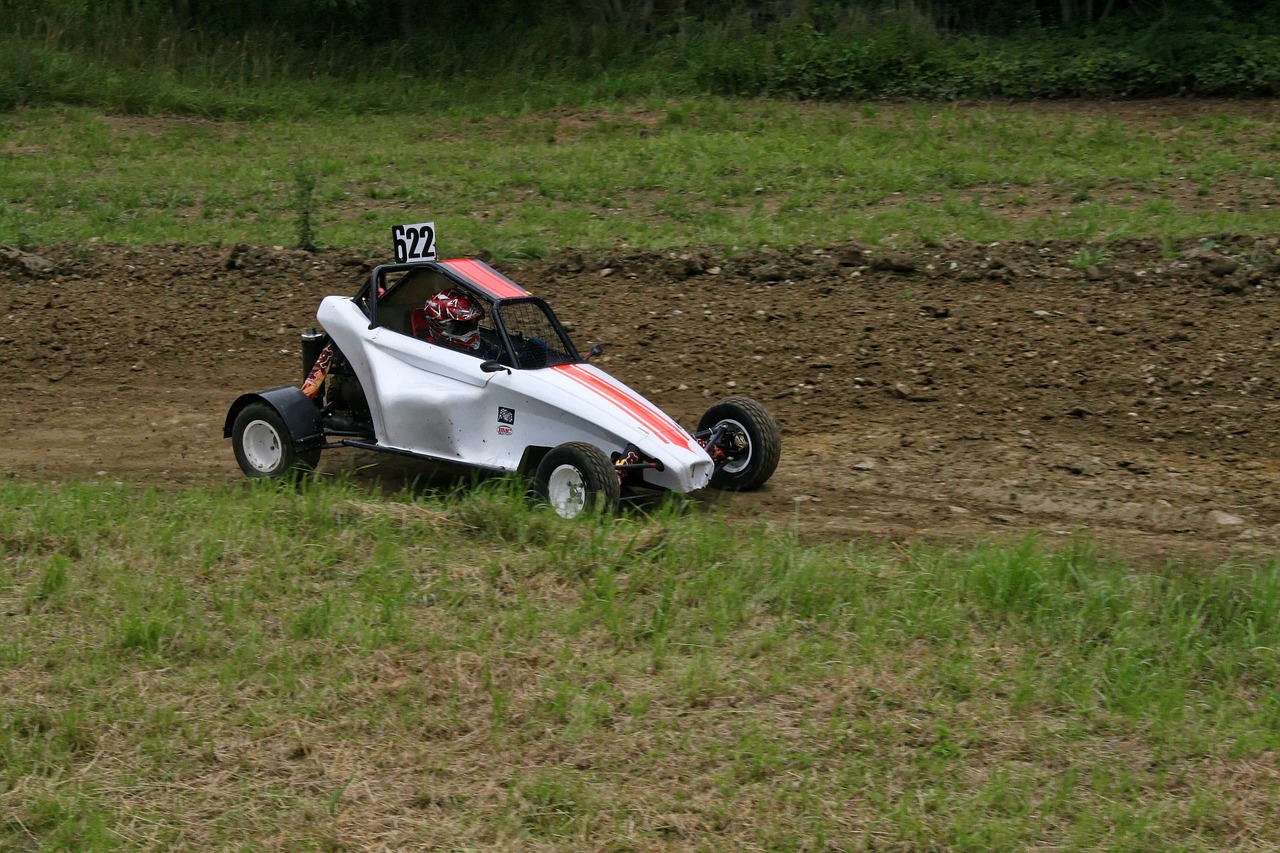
pixel 401 248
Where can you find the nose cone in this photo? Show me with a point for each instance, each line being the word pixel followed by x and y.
pixel 631 419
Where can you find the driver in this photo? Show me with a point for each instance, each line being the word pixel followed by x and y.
pixel 453 320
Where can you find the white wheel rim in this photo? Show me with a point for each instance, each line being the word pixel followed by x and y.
pixel 739 464
pixel 566 491
pixel 263 449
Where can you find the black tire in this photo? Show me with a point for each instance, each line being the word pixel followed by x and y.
pixel 265 449
pixel 751 441
pixel 577 477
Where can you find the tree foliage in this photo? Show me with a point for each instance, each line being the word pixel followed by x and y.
pixel 108 51
pixel 371 21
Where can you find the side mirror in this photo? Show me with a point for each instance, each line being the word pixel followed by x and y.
pixel 493 366
pixel 596 350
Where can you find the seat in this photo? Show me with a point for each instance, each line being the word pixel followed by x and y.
pixel 418 323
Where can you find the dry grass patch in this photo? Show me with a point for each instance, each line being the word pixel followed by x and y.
pixel 271 669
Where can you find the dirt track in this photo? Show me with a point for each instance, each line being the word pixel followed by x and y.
pixel 950 392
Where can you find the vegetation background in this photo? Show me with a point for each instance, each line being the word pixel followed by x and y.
pixel 220 57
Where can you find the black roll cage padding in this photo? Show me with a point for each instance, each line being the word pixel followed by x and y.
pixel 369 293
pixel 570 349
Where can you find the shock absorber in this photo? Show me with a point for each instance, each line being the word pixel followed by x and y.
pixel 312 343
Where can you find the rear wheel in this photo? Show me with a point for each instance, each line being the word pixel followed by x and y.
pixel 748 442
pixel 577 477
pixel 263 446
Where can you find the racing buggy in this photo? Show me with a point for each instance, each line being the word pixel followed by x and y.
pixel 450 361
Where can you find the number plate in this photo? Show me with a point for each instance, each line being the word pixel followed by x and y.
pixel 414 244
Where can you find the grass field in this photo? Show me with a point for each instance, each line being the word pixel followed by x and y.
pixel 261 669
pixel 671 173
pixel 328 669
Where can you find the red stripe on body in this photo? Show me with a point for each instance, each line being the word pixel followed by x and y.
pixel 486 278
pixel 651 418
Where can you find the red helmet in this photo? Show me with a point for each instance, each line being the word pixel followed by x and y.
pixel 455 317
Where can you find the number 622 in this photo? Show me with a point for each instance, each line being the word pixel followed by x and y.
pixel 414 243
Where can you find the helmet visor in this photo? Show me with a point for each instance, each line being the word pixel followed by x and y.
pixel 461 327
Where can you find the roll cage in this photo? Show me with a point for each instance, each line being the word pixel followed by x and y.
pixel 522 326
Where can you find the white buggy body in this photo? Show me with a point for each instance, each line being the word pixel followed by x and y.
pixel 518 398
pixel 432 401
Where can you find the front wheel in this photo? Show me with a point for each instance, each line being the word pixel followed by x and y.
pixel 264 447
pixel 744 441
pixel 577 477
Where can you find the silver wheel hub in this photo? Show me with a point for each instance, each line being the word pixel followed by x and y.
pixel 263 448
pixel 737 445
pixel 566 491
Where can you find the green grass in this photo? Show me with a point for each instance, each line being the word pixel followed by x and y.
pixel 320 669
pixel 654 174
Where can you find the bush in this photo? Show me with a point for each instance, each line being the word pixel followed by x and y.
pixel 832 58
pixel 914 62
